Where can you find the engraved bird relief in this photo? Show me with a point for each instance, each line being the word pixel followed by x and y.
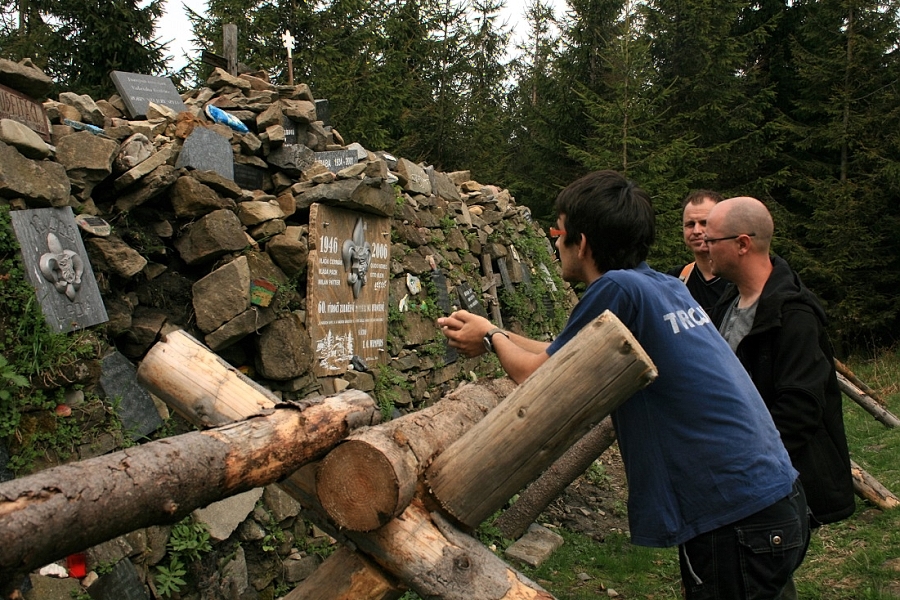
pixel 62 268
pixel 357 254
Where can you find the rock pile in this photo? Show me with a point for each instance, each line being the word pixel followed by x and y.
pixel 191 211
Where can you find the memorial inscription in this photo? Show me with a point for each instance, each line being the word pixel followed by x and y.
pixel 27 111
pixel 138 91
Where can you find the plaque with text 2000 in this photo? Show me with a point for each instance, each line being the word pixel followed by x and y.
pixel 347 288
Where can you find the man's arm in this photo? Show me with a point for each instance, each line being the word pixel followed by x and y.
pixel 519 356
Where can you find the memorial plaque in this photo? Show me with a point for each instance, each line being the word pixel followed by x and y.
pixel 206 150
pixel 347 287
pixel 290 130
pixel 336 160
pixel 122 583
pixel 118 382
pixel 440 286
pixel 504 276
pixel 248 177
pixel 58 268
pixel 27 111
pixel 469 300
pixel 545 275
pixel 323 112
pixel 138 91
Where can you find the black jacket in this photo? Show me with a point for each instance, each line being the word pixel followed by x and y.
pixel 789 357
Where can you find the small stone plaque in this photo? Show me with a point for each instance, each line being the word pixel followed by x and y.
pixel 336 160
pixel 122 583
pixel 27 111
pixel 58 268
pixel 469 300
pixel 118 382
pixel 290 130
pixel 93 225
pixel 440 285
pixel 206 150
pixel 323 112
pixel 248 177
pixel 138 91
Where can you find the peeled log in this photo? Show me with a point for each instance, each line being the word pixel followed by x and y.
pixel 881 414
pixel 347 575
pixel 65 509
pixel 859 383
pixel 372 476
pixel 601 367
pixel 869 488
pixel 552 482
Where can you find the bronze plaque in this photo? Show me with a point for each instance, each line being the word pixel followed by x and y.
pixel 28 111
pixel 347 288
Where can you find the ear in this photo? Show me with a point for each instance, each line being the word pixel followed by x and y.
pixel 744 243
pixel 584 249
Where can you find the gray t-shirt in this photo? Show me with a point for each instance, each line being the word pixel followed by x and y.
pixel 737 323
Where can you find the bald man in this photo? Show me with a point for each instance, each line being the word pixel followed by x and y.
pixel 776 326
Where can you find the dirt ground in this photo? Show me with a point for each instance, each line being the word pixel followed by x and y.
pixel 594 504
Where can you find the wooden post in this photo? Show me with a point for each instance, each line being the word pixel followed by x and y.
pixel 491 288
pixel 65 509
pixel 289 40
pixel 881 414
pixel 370 478
pixel 869 488
pixel 601 367
pixel 552 482
pixel 346 574
pixel 229 47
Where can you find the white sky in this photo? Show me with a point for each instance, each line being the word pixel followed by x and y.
pixel 175 25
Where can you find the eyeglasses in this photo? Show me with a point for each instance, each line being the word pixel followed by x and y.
pixel 555 233
pixel 709 240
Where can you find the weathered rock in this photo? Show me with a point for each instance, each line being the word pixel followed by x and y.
pixel 25 77
pixel 23 139
pixel 253 212
pixel 302 111
pixel 88 160
pixel 88 110
pixel 145 167
pixel 416 180
pixel 288 252
pixel 112 255
pixel 284 349
pixel 300 567
pixel 223 517
pixel 293 159
pixel 154 184
pixel 368 195
pixel 270 116
pixel 108 553
pixel 221 185
pixel 280 503
pixel 250 321
pixel 51 588
pixel 445 188
pixel 535 546
pixel 39 183
pixel 134 150
pixel 192 199
pixel 222 295
pixel 221 78
pixel 212 236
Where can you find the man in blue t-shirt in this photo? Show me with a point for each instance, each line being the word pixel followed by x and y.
pixel 705 465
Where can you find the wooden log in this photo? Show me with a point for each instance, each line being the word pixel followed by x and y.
pixel 601 367
pixel 491 288
pixel 348 575
pixel 869 488
pixel 65 509
pixel 852 378
pixel 881 414
pixel 545 489
pixel 369 479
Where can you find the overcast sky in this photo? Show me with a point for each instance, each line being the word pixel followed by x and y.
pixel 176 27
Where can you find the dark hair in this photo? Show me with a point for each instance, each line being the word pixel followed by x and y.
pixel 614 214
pixel 698 196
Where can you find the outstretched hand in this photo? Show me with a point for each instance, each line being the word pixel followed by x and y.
pixel 465 332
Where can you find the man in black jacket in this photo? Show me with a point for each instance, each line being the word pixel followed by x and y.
pixel 777 328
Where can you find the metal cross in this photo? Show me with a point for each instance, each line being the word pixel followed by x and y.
pixel 288 40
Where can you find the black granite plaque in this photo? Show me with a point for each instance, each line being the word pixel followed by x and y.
pixel 440 286
pixel 504 276
pixel 118 383
pixel 122 583
pixel 290 130
pixel 469 300
pixel 58 268
pixel 248 177
pixel 206 150
pixel 323 112
pixel 336 160
pixel 138 91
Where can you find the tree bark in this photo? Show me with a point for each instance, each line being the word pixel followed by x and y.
pixel 372 476
pixel 601 367
pixel 546 488
pixel 869 488
pixel 881 414
pixel 53 513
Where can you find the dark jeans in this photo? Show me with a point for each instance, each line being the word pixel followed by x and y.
pixel 752 559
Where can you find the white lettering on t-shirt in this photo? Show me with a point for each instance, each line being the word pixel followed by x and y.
pixel 693 317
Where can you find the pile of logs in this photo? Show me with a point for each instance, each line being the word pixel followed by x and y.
pixel 403 496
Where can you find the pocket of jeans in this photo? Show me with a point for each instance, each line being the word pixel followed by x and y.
pixel 771 538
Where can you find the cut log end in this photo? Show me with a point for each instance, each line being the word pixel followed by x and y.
pixel 362 487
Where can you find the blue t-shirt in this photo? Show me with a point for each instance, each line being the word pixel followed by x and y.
pixel 699 446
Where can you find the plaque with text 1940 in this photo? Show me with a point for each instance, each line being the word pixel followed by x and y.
pixel 138 91
pixel 347 287
pixel 58 268
pixel 27 111
pixel 336 160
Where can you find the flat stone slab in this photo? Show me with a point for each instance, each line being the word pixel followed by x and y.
pixel 535 546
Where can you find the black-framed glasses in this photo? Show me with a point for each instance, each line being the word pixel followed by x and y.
pixel 710 240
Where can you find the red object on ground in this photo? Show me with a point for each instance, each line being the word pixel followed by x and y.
pixel 76 565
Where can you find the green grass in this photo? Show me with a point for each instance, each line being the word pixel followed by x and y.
pixel 857 559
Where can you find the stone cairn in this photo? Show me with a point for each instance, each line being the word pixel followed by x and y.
pixel 183 241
